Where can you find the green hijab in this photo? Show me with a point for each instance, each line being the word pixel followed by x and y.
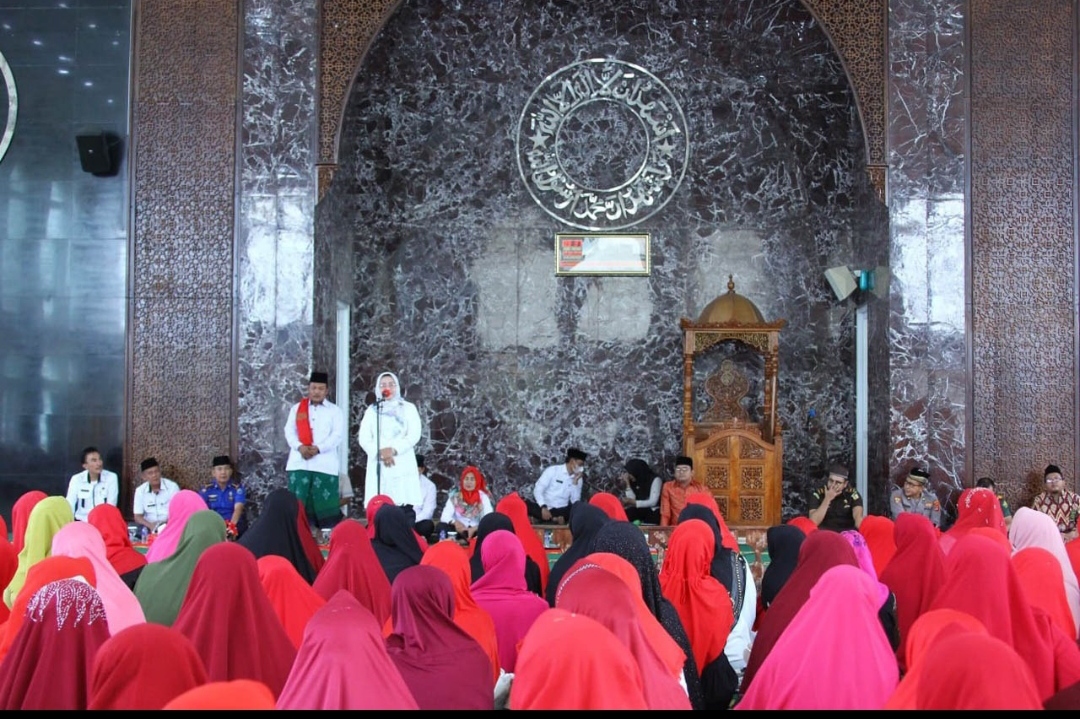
pixel 162 585
pixel 46 519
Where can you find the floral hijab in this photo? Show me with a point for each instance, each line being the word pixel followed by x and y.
pixel 467 503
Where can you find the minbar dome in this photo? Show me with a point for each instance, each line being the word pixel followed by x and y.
pixel 731 307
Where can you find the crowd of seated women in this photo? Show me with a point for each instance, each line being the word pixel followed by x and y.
pixel 895 615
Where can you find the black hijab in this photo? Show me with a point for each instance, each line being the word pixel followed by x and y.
pixel 783 542
pixel 585 521
pixel 722 568
pixel 395 541
pixel 488 524
pixel 628 542
pixel 643 477
pixel 276 531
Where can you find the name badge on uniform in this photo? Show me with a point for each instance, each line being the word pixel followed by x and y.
pixel 558 481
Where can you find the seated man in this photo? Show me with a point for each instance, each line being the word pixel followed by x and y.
pixel 150 505
pixel 226 496
pixel 836 506
pixel 92 486
pixel 912 497
pixel 425 511
pixel 989 483
pixel 673 495
pixel 1063 505
pixel 559 486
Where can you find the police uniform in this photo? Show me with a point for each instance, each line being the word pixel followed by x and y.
pixel 224 501
pixel 926 505
pixel 840 515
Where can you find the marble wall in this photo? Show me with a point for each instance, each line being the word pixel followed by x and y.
pixel 453 284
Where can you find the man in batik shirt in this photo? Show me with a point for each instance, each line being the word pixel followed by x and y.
pixel 1063 505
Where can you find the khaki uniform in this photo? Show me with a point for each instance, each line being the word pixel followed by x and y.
pixel 927 505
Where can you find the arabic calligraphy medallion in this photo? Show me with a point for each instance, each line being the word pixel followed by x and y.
pixel 602 144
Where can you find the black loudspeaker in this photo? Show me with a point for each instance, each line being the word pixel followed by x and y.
pixel 94 154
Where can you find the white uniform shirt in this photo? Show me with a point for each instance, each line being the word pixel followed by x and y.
pixel 83 495
pixel 154 506
pixel 426 509
pixel 556 489
pixel 327 432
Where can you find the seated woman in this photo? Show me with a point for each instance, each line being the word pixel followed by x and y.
pixel 277 531
pixel 492 522
pixel 642 495
pixel 395 542
pixel 466 504
pixel 887 608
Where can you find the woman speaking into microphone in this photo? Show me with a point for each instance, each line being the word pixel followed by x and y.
pixel 389 432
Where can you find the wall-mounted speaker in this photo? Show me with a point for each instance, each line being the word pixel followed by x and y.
pixel 94 154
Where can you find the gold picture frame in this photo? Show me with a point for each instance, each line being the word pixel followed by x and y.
pixel 593 253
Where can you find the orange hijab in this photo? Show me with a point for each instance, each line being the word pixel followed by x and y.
pixel 236 694
pixel 703 604
pixel 1044 585
pixel 452 559
pixel 293 599
pixel 930 628
pixel 804 523
pixel 513 506
pixel 611 506
pixel 727 539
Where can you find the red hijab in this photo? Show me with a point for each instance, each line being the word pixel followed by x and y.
pixel 48 666
pixel 980 580
pixel 503 594
pixel 598 674
pixel 705 499
pixel 977 507
pixel 975 671
pixel 237 694
pixel 48 570
pixel 307 540
pixel 703 604
pixel 353 566
pixel 293 599
pixel 666 648
pixel 444 668
pixel 610 505
pixel 121 554
pixel 931 627
pixel 144 667
pixel 232 624
pixel 342 663
pixel 804 523
pixel 916 572
pixel 20 515
pixel 9 564
pixel 453 560
pixel 471 497
pixel 879 533
pixel 820 552
pixel 1044 585
pixel 592 591
pixel 513 506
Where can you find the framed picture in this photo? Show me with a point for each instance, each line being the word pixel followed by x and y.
pixel 601 254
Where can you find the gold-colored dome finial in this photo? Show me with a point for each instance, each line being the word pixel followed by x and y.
pixel 731 308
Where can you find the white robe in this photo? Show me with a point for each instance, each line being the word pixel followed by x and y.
pixel 398 427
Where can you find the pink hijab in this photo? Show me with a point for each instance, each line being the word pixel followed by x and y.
pixel 81 539
pixel 866 561
pixel 502 593
pixel 804 670
pixel 342 663
pixel 182 506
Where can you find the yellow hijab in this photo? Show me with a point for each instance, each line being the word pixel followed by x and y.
pixel 46 519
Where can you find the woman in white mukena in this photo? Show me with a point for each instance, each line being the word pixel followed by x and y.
pixel 389 432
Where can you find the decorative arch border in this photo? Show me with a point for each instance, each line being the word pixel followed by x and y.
pixel 856 29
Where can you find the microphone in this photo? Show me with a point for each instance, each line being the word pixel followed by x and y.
pixel 386 394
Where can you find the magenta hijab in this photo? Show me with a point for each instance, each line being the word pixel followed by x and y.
pixel 836 632
pixel 866 561
pixel 182 506
pixel 442 665
pixel 503 594
pixel 82 539
pixel 342 663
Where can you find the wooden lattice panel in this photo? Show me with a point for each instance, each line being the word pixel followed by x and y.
pixel 717 451
pixel 752 479
pixel 722 503
pixel 717 477
pixel 748 450
pixel 751 510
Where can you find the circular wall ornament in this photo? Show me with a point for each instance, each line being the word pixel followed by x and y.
pixel 602 144
pixel 7 129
